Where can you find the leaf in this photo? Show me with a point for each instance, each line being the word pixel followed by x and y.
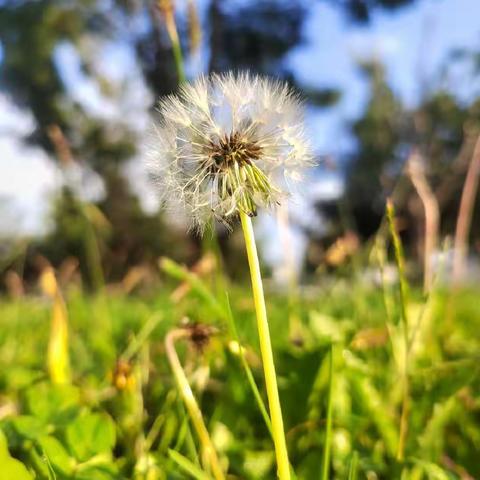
pixel 11 468
pixel 56 455
pixel 328 428
pixel 55 404
pixel 432 439
pixel 29 427
pixel 103 472
pixel 400 261
pixel 187 466
pixel 179 272
pixel 433 471
pixel 58 361
pixel 90 435
pixel 374 408
pixel 353 468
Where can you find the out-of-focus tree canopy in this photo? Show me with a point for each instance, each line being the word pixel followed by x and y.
pixel 236 34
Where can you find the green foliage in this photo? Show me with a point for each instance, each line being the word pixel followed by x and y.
pixel 10 467
pixel 89 435
pixel 126 421
pixel 187 466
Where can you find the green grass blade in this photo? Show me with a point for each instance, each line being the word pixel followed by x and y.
pixel 328 430
pixel 400 261
pixel 185 435
pixel 372 406
pixel 187 466
pixel 246 367
pixel 353 468
pixel 138 340
pixel 179 272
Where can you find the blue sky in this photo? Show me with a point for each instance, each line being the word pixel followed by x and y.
pixel 412 43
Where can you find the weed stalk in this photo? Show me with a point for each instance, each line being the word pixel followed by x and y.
pixel 209 453
pixel 399 258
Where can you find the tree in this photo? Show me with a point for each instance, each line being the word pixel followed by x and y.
pixel 247 34
pixel 378 133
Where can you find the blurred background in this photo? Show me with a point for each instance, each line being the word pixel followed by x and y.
pixel 392 90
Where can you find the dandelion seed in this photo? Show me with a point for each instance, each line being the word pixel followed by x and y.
pixel 228 144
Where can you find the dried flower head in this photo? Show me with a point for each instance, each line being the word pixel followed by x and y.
pixel 225 144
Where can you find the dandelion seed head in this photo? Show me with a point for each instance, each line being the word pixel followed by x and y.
pixel 228 143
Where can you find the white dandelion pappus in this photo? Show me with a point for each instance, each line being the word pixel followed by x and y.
pixel 225 142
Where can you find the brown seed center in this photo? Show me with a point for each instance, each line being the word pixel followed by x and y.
pixel 232 148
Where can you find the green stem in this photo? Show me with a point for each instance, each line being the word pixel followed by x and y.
pixel 209 453
pixel 403 290
pixel 352 470
pixel 328 430
pixel 176 47
pixel 283 467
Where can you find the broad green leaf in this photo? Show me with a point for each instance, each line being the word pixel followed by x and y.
pixel 56 404
pixel 29 427
pixel 11 468
pixel 56 455
pixel 98 472
pixel 91 434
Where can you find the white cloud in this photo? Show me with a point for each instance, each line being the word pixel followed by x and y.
pixel 27 175
pixel 366 43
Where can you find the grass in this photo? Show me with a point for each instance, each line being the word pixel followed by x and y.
pixel 124 419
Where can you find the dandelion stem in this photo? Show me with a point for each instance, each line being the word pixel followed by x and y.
pixel 266 350
pixel 209 453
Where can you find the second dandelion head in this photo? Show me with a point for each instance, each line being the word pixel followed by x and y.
pixel 228 143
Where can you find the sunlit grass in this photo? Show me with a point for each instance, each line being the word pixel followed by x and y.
pixel 150 420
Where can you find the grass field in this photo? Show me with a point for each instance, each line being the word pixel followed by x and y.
pixel 119 416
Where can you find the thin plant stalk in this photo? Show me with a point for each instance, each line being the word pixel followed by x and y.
pixel 141 338
pixel 248 371
pixel 353 468
pixel 91 244
pixel 328 429
pixel 187 466
pixel 166 7
pixel 399 258
pixel 209 453
pixel 283 467
pixel 387 300
pixel 465 214
pixel 432 215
